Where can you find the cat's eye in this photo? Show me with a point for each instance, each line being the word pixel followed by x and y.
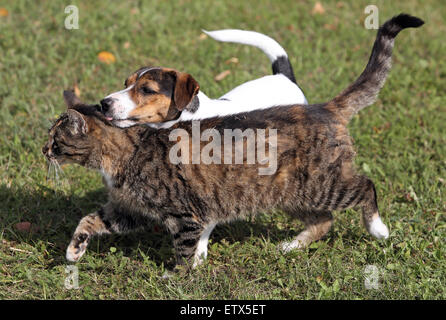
pixel 55 148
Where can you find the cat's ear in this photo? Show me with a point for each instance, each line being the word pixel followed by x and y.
pixel 71 99
pixel 78 124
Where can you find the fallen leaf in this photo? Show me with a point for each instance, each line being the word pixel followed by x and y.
pixel 4 12
pixel 203 36
pixel 222 75
pixel 134 11
pixel 126 45
pixel 106 57
pixel 23 226
pixel 340 4
pixel 318 8
pixel 233 60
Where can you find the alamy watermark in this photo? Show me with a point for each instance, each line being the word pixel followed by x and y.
pixel 371 277
pixel 229 149
pixel 72 20
pixel 72 279
pixel 372 20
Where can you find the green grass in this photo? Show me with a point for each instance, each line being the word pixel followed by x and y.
pixel 400 142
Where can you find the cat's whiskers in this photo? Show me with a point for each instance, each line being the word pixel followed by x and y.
pixel 58 169
pixel 55 172
pixel 50 170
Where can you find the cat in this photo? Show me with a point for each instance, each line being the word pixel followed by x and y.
pixel 315 171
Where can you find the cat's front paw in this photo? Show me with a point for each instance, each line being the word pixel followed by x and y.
pixel 77 247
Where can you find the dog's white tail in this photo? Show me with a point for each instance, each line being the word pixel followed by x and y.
pixel 274 51
pixel 268 45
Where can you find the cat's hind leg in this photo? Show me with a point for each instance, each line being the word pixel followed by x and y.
pixel 317 225
pixel 370 214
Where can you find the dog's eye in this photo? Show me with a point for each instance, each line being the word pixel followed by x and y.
pixel 147 90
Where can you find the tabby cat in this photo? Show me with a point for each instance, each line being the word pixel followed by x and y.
pixel 315 170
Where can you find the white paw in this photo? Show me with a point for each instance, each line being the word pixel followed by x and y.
pixel 378 229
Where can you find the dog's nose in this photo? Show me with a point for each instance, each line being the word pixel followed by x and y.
pixel 105 104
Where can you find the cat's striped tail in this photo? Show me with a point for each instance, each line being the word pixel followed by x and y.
pixel 365 89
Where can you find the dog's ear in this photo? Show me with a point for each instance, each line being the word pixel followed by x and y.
pixel 78 125
pixel 71 99
pixel 186 88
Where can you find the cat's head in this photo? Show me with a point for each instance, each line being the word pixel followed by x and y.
pixel 76 135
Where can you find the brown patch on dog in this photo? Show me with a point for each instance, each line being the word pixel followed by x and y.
pixel 185 89
pixel 155 108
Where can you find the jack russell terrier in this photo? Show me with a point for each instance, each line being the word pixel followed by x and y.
pixel 160 97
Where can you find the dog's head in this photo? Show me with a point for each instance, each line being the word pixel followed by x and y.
pixel 151 95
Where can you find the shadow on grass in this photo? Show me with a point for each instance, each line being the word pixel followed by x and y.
pixel 54 216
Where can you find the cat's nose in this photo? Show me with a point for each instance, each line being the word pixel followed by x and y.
pixel 106 104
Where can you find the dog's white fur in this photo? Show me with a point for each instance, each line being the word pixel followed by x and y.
pixel 257 94
pixel 269 46
pixel 265 92
pixel 123 104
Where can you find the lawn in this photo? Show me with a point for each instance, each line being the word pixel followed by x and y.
pixel 400 141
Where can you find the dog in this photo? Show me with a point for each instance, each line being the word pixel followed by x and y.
pixel 162 97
